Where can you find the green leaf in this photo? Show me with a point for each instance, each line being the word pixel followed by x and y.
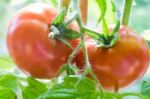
pixel 59 18
pixel 9 81
pixel 6 93
pixel 95 95
pixel 60 94
pixel 85 84
pixel 69 90
pixel 103 7
pixel 145 89
pixel 110 96
pixel 34 89
pixel 37 85
pixel 29 93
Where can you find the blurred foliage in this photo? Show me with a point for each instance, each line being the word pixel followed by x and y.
pixel 140 18
pixel 143 2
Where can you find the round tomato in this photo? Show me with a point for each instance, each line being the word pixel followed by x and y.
pixel 28 43
pixel 119 65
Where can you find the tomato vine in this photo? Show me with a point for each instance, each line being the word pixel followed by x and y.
pixel 67 80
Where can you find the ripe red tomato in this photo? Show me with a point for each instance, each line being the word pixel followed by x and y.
pixel 28 43
pixel 119 65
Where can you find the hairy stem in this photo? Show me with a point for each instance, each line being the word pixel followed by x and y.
pixel 74 52
pixel 73 17
pixel 88 66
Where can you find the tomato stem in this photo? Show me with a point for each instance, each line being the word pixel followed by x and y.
pixel 85 52
pixel 88 66
pixel 67 65
pixel 74 52
pixel 64 41
pixel 75 15
pixel 127 11
pixel 99 86
pixel 82 77
pixel 88 69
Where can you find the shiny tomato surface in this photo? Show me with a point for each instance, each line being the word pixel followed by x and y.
pixel 119 65
pixel 28 43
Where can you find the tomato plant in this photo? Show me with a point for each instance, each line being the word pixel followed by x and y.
pixel 78 62
pixel 120 64
pixel 29 45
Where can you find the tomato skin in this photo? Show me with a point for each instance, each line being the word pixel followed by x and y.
pixel 119 65
pixel 28 43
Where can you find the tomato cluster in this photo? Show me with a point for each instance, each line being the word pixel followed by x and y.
pixel 35 53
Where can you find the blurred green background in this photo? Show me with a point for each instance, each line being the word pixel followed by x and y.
pixel 140 18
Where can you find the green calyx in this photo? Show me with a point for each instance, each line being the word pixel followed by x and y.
pixel 102 40
pixel 63 32
pixel 106 39
pixel 59 28
pixel 109 41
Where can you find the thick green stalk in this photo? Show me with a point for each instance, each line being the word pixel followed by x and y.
pixel 126 12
